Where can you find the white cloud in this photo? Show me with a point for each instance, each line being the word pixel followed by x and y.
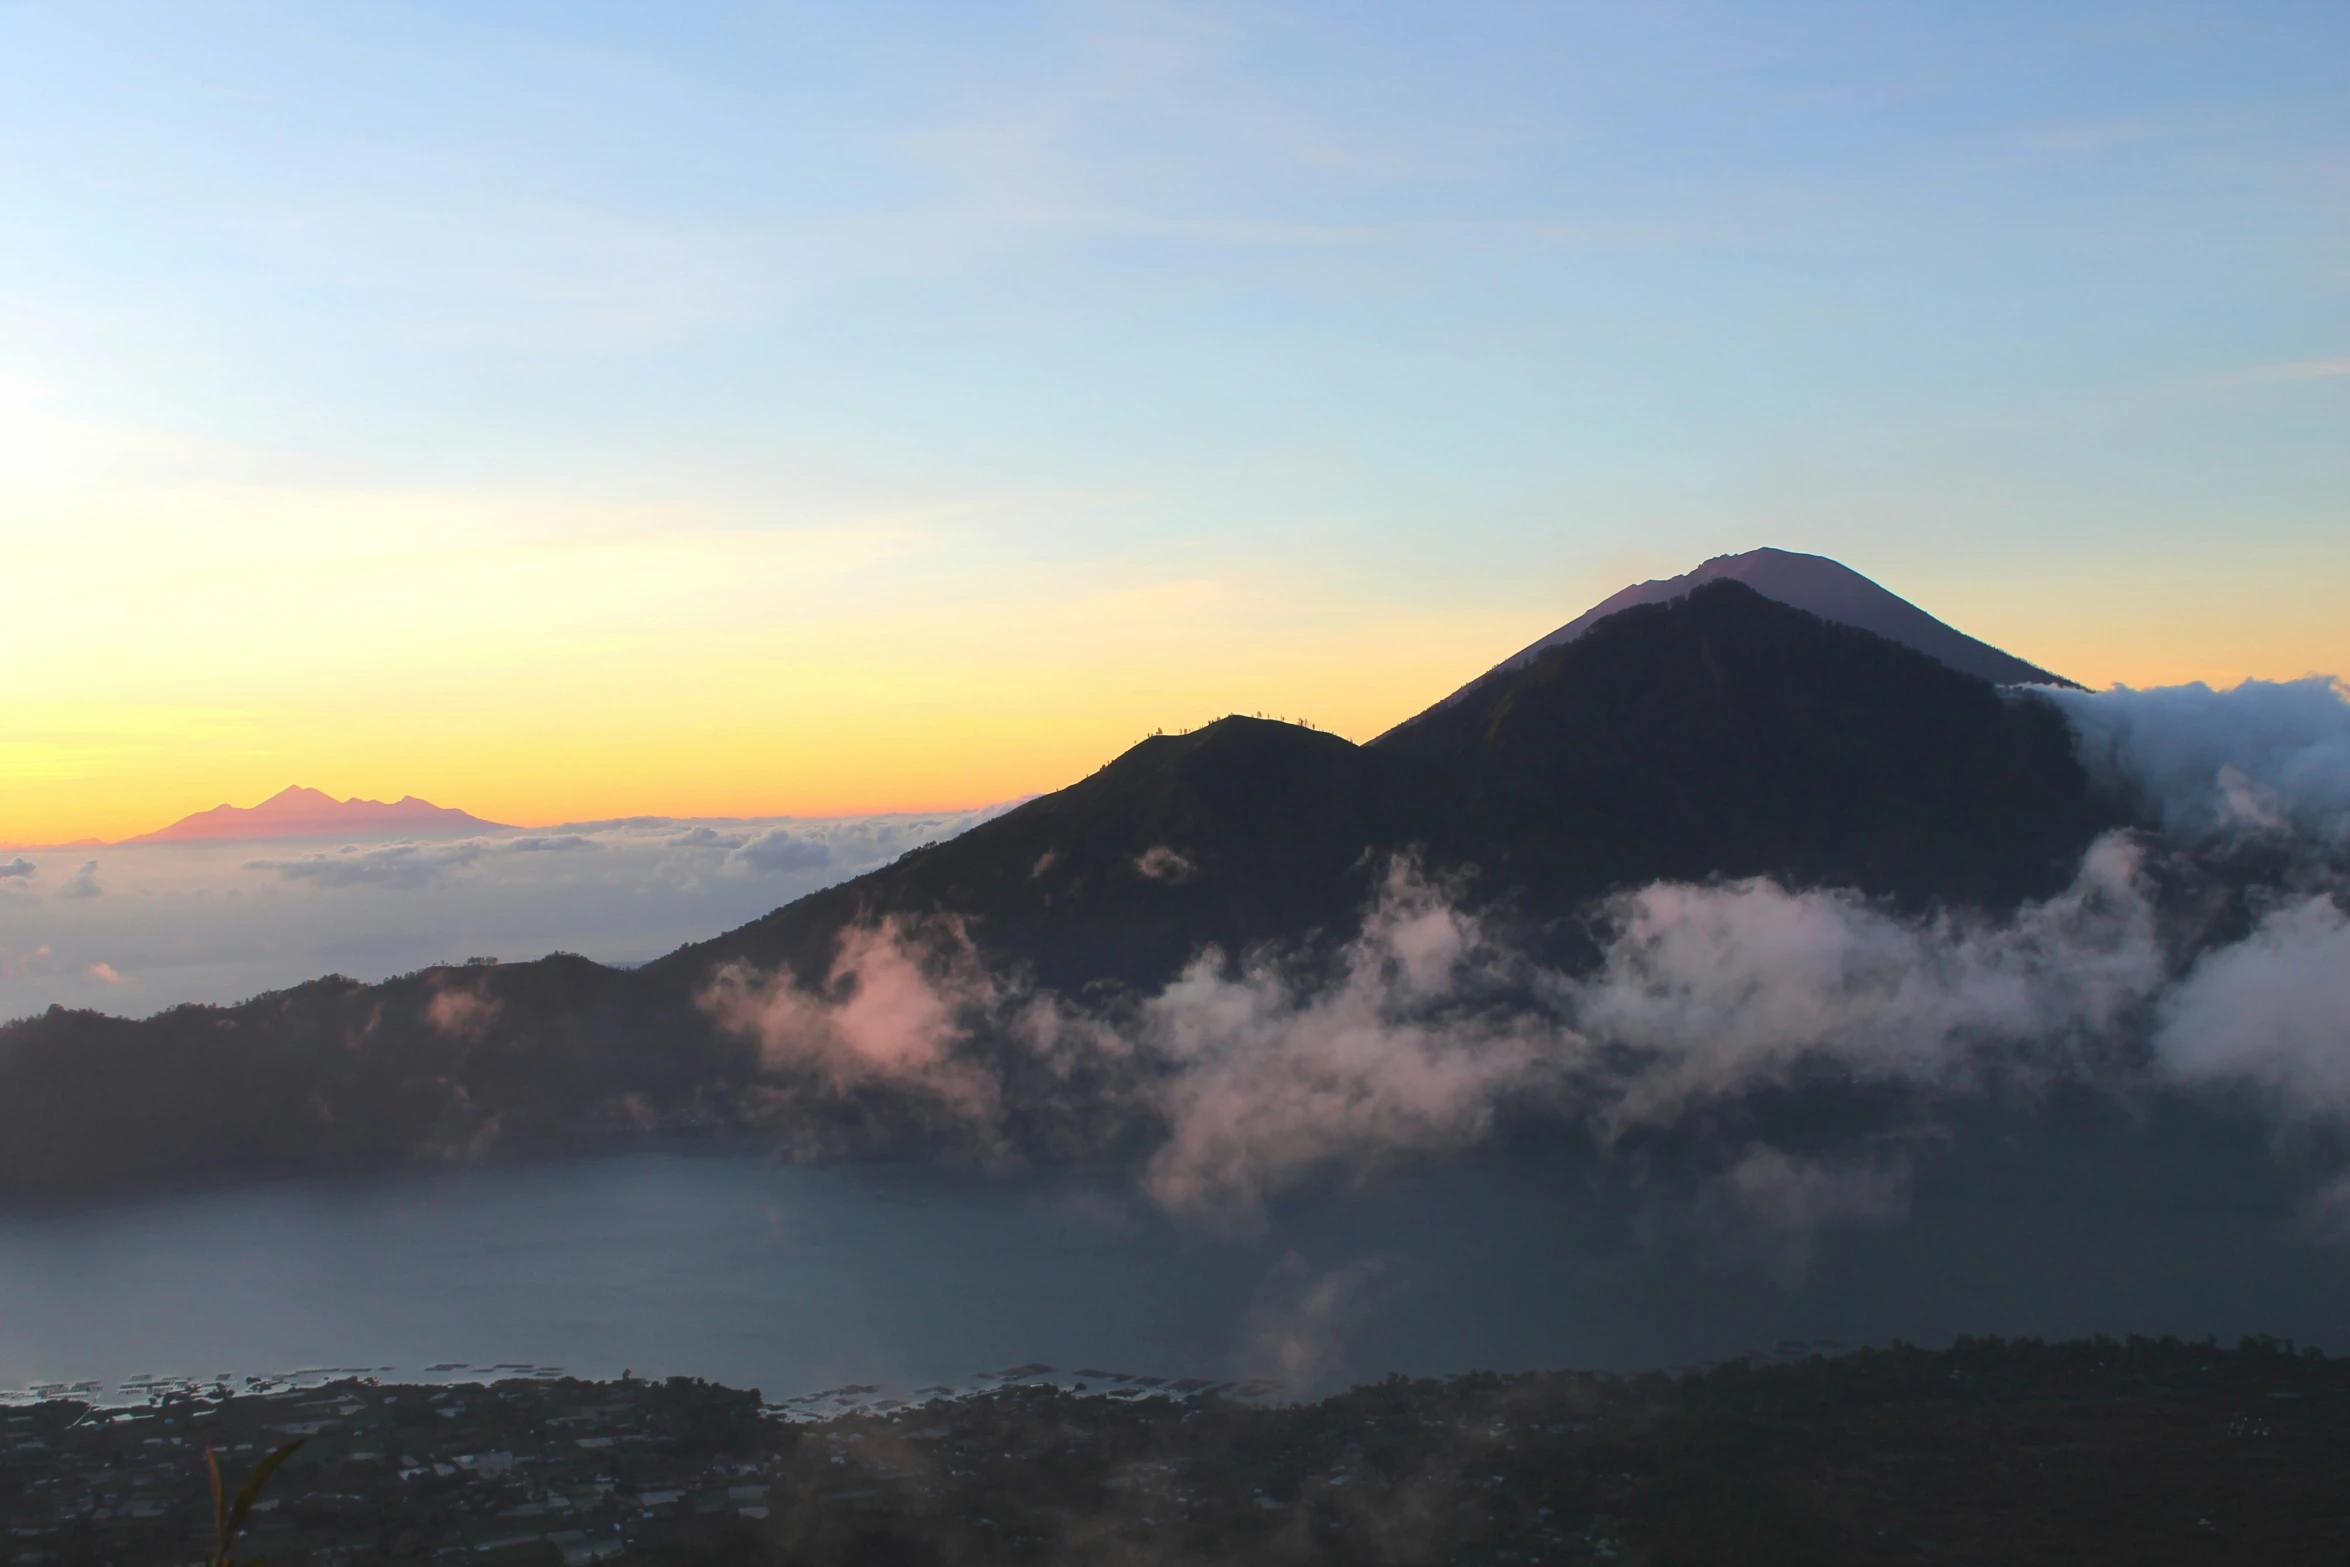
pixel 1274 1080
pixel 779 850
pixel 1270 1071
pixel 2272 1011
pixel 2263 756
pixel 1716 990
pixel 376 864
pixel 210 922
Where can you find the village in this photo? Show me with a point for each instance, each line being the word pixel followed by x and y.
pixel 2152 1451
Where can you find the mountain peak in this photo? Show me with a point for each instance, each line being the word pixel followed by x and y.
pixel 299 812
pixel 1814 583
pixel 294 796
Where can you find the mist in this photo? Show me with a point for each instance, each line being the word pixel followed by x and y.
pixel 2269 756
pixel 131 930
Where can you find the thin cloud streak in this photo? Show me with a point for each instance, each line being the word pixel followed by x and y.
pixel 2294 370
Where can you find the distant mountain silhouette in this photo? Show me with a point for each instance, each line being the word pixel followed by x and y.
pixel 307 813
pixel 1829 589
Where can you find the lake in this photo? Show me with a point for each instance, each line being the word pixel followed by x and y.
pixel 794 1278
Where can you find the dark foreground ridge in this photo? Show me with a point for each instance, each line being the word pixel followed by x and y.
pixel 2144 1451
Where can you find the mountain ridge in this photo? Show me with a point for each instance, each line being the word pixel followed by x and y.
pixel 298 812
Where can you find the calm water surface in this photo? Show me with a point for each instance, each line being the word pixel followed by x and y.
pixel 791 1278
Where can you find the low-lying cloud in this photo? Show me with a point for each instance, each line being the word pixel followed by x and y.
pixel 2271 1011
pixel 549 843
pixel 1406 1051
pixel 411 863
pixel 780 850
pixel 892 1010
pixel 376 864
pixel 1791 1192
pixel 2264 756
pixel 1263 1071
pixel 211 922
pixel 1717 990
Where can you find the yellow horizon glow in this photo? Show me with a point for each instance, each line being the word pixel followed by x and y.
pixel 189 631
pixel 850 734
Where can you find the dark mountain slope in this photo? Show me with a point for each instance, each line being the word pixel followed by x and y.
pixel 1723 734
pixel 444 1064
pixel 1244 830
pixel 1813 583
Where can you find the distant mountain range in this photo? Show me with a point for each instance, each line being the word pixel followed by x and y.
pixel 1712 731
pixel 308 813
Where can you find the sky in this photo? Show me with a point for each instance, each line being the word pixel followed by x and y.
pixel 578 411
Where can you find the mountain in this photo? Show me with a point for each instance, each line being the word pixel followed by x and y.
pixel 1719 734
pixel 307 813
pixel 1829 589
pixel 1241 831
pixel 1723 733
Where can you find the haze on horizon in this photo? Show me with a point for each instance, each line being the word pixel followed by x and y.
pixel 740 411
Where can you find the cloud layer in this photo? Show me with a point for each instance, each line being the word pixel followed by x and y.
pixel 2271 1011
pixel 1406 1050
pixel 218 922
pixel 1717 990
pixel 1263 1071
pixel 2265 755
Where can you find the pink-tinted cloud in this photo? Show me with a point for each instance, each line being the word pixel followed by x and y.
pixel 1272 1082
pixel 462 1013
pixel 892 1010
pixel 1254 1075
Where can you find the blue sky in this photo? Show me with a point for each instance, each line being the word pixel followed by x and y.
pixel 1392 336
